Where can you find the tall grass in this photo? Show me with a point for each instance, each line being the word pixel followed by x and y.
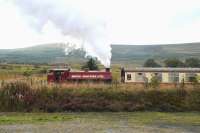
pixel 21 96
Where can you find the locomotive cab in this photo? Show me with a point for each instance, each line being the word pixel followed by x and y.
pixel 55 75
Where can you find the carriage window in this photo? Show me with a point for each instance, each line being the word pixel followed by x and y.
pixel 128 76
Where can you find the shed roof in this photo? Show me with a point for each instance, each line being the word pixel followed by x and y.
pixel 162 69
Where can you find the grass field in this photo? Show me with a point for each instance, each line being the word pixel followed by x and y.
pixel 146 122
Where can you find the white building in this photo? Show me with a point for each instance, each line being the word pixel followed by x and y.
pixel 165 75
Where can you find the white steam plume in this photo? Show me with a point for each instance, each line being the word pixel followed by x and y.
pixel 68 17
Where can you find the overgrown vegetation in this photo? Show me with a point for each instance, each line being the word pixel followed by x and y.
pixel 19 96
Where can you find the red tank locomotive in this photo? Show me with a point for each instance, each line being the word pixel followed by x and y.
pixel 64 75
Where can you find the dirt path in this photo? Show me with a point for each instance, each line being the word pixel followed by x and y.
pixel 84 125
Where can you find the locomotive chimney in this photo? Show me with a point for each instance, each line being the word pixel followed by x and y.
pixel 107 69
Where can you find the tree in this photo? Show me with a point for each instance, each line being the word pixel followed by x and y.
pixel 192 62
pixel 91 64
pixel 173 62
pixel 151 63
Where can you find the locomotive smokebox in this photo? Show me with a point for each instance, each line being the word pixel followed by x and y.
pixel 107 69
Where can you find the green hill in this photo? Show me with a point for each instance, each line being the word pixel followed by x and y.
pixel 121 54
pixel 50 53
pixel 137 54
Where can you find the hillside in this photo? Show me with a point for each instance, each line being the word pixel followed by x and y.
pixel 50 53
pixel 137 54
pixel 121 54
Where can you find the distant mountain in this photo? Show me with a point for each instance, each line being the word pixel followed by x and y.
pixel 49 53
pixel 137 54
pixel 121 54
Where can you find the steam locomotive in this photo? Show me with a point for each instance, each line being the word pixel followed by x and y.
pixel 60 75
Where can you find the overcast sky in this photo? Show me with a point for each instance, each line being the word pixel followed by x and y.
pixel 127 21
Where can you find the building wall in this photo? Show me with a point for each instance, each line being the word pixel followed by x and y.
pixel 182 76
pixel 165 76
pixel 139 76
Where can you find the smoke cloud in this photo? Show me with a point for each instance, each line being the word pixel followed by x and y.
pixel 73 22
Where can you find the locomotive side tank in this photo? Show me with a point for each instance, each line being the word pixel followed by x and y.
pixel 63 75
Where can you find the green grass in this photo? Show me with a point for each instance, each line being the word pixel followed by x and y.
pixel 143 118
pixel 13 71
pixel 23 118
pixel 191 118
